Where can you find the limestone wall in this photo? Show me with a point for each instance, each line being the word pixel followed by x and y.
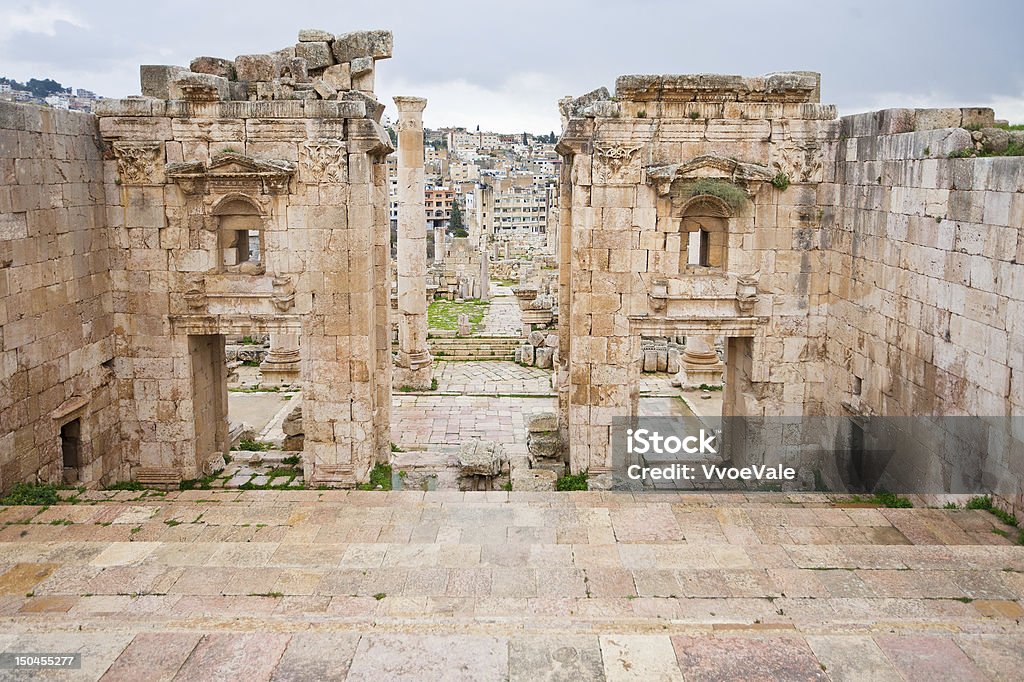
pixel 309 179
pixel 745 156
pixel 56 347
pixel 926 283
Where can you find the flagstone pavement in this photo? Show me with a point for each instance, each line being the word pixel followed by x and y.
pixel 319 585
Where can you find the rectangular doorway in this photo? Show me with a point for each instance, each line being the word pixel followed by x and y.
pixel 209 396
pixel 71 451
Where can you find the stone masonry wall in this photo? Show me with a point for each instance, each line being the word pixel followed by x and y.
pixel 312 175
pixel 55 297
pixel 926 311
pixel 743 153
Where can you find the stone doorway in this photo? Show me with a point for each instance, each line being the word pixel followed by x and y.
pixel 209 397
pixel 71 451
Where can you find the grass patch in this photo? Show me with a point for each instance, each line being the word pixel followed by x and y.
pixel 250 445
pixel 291 460
pixel 199 483
pixel 726 191
pixel 780 182
pixel 125 485
pixel 985 502
pixel 380 475
pixel 707 387
pixel 572 482
pixel 255 389
pixel 380 595
pixel 443 314
pixel 38 494
pixel 882 499
pixel 278 472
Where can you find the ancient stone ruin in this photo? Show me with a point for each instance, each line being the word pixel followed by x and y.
pixel 729 229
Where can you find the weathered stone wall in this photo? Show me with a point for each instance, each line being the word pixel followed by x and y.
pixel 56 346
pixel 309 177
pixel 926 284
pixel 637 170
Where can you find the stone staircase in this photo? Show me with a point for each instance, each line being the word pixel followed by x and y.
pixel 474 347
pixel 300 584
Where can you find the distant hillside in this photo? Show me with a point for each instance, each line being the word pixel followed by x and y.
pixel 38 88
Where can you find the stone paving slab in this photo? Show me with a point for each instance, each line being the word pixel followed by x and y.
pixel 319 584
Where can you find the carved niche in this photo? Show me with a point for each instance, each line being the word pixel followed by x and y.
pixel 323 161
pixel 139 163
pixel 617 162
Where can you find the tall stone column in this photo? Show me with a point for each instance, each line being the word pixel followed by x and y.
pixel 438 245
pixel 283 363
pixel 414 361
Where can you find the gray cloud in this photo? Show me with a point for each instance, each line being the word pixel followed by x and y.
pixel 503 65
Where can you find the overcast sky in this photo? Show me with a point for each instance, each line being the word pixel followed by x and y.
pixel 503 65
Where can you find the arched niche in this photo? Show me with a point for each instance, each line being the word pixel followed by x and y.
pixel 240 226
pixel 704 230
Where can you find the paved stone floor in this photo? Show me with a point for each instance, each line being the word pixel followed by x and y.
pixel 503 317
pixel 309 585
pixel 491 377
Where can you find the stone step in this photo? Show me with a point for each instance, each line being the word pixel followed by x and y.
pixel 507 585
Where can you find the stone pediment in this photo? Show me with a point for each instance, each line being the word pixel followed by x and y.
pixel 747 175
pixel 232 171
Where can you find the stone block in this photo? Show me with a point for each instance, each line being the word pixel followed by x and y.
pixel 375 44
pixel 360 66
pixel 324 89
pixel 533 480
pixel 542 422
pixel 339 76
pixel 215 66
pixel 317 54
pixel 544 445
pixel 536 338
pixel 315 35
pixel 216 85
pixel 481 458
pixel 255 67
pixel 932 119
pixel 156 79
pixel 982 117
pixel 526 354
pixel 542 357
pixel 374 109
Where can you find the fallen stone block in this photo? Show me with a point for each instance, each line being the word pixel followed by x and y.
pixel 542 357
pixel 544 445
pixel 186 87
pixel 481 458
pixel 533 480
pixel 324 89
pixel 542 422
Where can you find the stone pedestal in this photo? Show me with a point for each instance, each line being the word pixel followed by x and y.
pixel 700 363
pixel 283 364
pixel 413 362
